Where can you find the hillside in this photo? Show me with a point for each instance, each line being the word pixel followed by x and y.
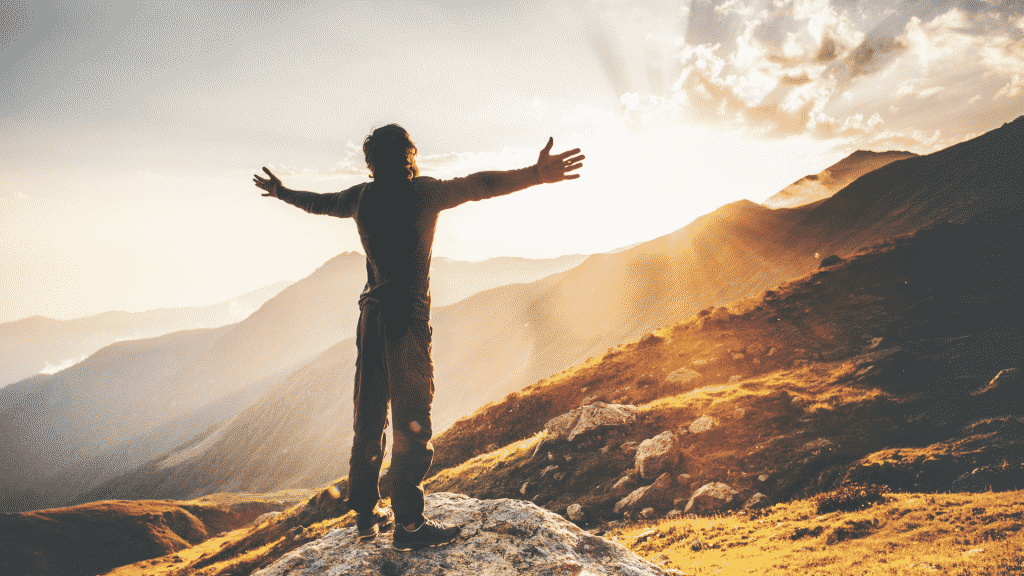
pixel 889 368
pixel 815 187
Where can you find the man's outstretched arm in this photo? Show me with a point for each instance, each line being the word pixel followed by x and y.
pixel 335 204
pixel 548 169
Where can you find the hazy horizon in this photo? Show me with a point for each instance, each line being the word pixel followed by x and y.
pixel 131 131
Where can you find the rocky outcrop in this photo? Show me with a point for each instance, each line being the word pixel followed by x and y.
pixel 657 455
pixel 711 498
pixel 587 418
pixel 499 537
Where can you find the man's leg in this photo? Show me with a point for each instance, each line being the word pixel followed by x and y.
pixel 370 396
pixel 411 380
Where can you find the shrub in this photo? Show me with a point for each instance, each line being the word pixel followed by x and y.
pixel 850 498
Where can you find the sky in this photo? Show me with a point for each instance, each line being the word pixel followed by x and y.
pixel 129 131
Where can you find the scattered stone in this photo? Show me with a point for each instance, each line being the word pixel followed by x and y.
pixel 263 519
pixel 524 488
pixel 655 455
pixel 771 352
pixel 648 514
pixel 696 545
pixel 974 481
pixel 830 261
pixel 683 479
pixel 711 498
pixel 587 418
pixel 737 356
pixel 763 478
pixel 702 424
pixel 545 471
pixel 624 483
pixel 498 537
pixel 875 343
pixel 684 376
pixel 674 515
pixel 629 447
pixel 653 496
pixel 818 444
pixel 576 513
pixel 735 378
pixel 757 501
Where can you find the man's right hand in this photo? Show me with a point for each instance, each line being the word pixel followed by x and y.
pixel 556 168
pixel 271 185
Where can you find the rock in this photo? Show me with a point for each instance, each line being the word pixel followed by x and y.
pixel 737 356
pixel 711 498
pixel 674 515
pixel 629 447
pixel 974 481
pixel 757 501
pixel 763 478
pixel 655 455
pixel 498 537
pixel 648 514
pixel 653 496
pixel 818 444
pixel 545 471
pixel 830 261
pixel 576 513
pixel 1004 377
pixel 587 418
pixel 702 424
pixel 684 376
pixel 735 378
pixel 524 488
pixel 624 483
pixel 264 518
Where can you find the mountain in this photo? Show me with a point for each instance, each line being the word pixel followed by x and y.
pixel 455 280
pixel 500 340
pixel 815 187
pixel 43 345
pixel 900 366
pixel 134 400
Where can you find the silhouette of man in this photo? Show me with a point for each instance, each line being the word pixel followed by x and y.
pixel 396 215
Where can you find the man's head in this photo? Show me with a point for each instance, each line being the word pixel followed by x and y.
pixel 390 153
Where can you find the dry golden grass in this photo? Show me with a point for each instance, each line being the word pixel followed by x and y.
pixel 958 534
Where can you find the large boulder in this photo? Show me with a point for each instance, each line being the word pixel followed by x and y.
pixel 656 495
pixel 656 455
pixel 498 537
pixel 712 498
pixel 591 417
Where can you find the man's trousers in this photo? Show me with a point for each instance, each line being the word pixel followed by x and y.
pixel 393 365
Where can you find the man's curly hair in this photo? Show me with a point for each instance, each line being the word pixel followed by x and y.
pixel 390 152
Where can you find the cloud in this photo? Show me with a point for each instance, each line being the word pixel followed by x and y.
pixel 827 68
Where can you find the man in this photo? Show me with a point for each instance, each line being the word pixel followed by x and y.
pixel 396 215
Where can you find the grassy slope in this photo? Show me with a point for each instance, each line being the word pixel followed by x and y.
pixel 883 356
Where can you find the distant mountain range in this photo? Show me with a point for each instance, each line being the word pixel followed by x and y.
pixel 135 399
pixel 43 345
